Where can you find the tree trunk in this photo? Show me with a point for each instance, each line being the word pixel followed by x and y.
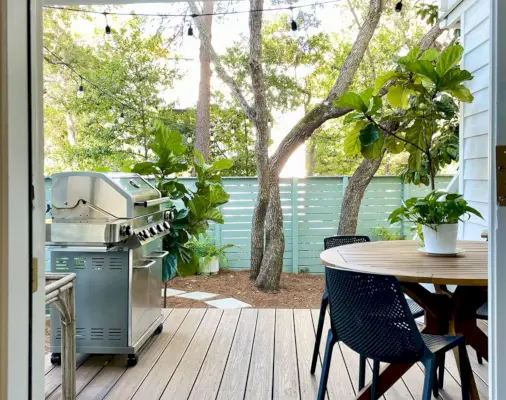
pixel 272 263
pixel 261 122
pixel 71 129
pixel 354 193
pixel 204 102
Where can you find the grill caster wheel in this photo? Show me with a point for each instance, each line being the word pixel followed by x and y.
pixel 159 329
pixel 132 360
pixel 56 358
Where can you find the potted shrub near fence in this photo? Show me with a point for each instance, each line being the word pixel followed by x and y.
pixel 211 256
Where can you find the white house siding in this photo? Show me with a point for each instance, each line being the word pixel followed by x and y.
pixel 475 125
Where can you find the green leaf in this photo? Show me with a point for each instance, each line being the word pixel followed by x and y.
pixel 214 215
pixel 383 79
pixel 424 68
pixel 375 103
pixel 415 161
pixel 398 96
pixel 369 135
pixel 351 100
pixel 453 78
pixel 430 55
pixel 374 150
pixel 352 144
pixel 394 145
pixel 366 95
pixel 217 195
pixel 448 59
pixel 221 165
pixel 145 168
pixel 462 93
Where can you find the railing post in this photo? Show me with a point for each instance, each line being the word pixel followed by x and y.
pixel 295 226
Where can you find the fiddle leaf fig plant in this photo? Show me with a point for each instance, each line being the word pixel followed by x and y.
pixel 437 208
pixel 200 205
pixel 418 113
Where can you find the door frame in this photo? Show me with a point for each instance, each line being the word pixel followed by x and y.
pixel 497 215
pixel 21 166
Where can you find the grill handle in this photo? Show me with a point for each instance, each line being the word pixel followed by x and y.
pixel 157 254
pixel 144 266
pixel 150 203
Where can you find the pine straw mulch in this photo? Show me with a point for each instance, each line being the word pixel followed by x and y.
pixel 296 290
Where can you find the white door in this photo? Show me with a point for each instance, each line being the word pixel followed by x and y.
pixel 21 218
pixel 497 214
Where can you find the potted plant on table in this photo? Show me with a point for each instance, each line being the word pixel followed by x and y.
pixel 439 214
pixel 210 255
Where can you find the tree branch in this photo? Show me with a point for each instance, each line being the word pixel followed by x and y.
pixel 220 69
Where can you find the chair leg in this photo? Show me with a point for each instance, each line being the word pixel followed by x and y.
pixel 375 376
pixel 465 368
pixel 428 385
pixel 441 370
pixel 326 365
pixel 480 360
pixel 361 373
pixel 319 330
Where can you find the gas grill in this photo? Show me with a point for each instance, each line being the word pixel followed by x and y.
pixel 108 229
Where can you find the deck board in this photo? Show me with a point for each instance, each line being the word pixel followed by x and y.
pixel 235 354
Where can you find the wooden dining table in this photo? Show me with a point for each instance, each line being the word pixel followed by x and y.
pixel 446 312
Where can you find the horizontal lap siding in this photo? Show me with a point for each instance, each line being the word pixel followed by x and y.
pixel 318 202
pixel 475 126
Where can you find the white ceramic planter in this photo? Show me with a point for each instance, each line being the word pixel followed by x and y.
pixel 210 267
pixel 443 240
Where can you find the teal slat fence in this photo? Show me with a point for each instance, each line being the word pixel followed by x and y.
pixel 317 201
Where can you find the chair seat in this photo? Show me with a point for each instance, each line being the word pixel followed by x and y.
pixel 437 343
pixel 416 310
pixel 482 312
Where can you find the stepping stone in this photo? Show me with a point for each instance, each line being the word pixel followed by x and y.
pixel 197 295
pixel 228 303
pixel 172 292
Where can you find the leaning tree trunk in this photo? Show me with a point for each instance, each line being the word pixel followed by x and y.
pixel 310 160
pixel 272 263
pixel 261 122
pixel 202 141
pixel 354 193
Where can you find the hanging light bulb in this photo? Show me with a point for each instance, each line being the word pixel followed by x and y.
pixel 398 6
pixel 293 23
pixel 190 30
pixel 107 27
pixel 80 90
pixel 121 119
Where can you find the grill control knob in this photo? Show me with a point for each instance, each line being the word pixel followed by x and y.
pixel 160 228
pixel 128 230
pixel 166 225
pixel 146 233
pixel 153 230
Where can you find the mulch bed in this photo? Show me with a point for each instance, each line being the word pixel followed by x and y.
pixel 296 291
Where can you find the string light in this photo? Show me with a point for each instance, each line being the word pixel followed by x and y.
pixel 107 27
pixel 190 30
pixel 293 24
pixel 398 6
pixel 80 89
pixel 121 119
pixel 321 3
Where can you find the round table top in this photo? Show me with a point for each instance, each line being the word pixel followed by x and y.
pixel 402 259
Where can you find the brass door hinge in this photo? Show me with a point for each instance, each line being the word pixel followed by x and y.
pixel 35 274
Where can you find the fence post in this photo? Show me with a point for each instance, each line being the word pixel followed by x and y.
pixel 217 233
pixel 295 226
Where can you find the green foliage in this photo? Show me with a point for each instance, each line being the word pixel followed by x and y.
pixel 435 209
pixel 304 270
pixel 201 204
pixel 204 248
pixel 428 12
pixel 419 113
pixel 384 234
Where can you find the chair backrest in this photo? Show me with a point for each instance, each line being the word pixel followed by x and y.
pixel 335 241
pixel 369 313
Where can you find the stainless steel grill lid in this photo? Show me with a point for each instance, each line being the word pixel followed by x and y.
pixel 105 208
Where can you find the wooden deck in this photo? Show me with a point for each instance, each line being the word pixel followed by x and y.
pixel 237 354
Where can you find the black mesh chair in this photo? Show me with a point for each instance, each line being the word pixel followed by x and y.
pixel 370 314
pixel 482 313
pixel 329 243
